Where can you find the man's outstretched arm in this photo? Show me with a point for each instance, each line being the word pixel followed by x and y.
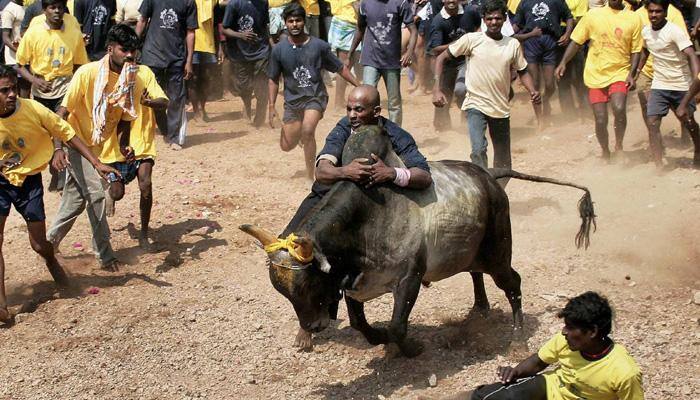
pixel 529 367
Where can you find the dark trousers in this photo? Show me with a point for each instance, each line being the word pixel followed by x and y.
pixel 58 178
pixel 317 192
pixel 172 122
pixel 251 77
pixel 573 81
pixel 532 388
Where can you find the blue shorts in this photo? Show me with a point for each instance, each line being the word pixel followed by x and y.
pixel 296 112
pixel 660 101
pixel 28 199
pixel 541 50
pixel 129 171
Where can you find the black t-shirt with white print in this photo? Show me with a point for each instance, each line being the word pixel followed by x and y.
pixel 545 14
pixel 165 39
pixel 96 18
pixel 301 65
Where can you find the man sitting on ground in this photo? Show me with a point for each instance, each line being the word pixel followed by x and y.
pixel 591 365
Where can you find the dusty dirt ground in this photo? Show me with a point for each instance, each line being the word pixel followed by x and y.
pixel 198 317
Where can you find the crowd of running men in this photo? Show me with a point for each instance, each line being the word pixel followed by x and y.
pixel 86 84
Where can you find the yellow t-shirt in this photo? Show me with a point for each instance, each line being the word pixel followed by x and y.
pixel 27 135
pixel 278 3
pixel 52 53
pixel 311 7
pixel 614 35
pixel 578 8
pixel 513 5
pixel 674 16
pixel 614 377
pixel 344 10
pixel 142 136
pixel 490 65
pixel 204 36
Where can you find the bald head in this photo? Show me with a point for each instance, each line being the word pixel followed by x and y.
pixel 367 95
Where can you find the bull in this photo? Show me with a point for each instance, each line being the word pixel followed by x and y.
pixel 386 239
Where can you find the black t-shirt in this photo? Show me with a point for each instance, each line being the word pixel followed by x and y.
pixel 96 17
pixel 301 67
pixel 165 39
pixel 248 16
pixel 545 14
pixel 445 31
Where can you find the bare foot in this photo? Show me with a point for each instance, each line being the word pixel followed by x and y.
pixel 5 315
pixel 112 266
pixel 175 147
pixel 303 340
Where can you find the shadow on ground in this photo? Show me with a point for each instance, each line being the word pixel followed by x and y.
pixel 213 137
pixel 26 299
pixel 168 238
pixel 448 348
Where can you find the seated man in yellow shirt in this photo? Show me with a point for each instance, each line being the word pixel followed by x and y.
pixel 26 129
pixel 591 365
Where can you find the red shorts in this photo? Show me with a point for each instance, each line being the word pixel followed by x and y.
pixel 603 95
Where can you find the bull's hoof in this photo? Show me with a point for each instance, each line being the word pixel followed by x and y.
pixel 479 310
pixel 303 340
pixel 376 336
pixel 411 347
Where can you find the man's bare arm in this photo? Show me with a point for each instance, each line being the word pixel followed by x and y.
pixel 356 171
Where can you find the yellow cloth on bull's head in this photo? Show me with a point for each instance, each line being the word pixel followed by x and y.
pixel 289 243
pixel 122 97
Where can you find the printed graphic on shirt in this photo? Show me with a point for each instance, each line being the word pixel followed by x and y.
pixel 245 23
pixel 540 11
pixel 168 19
pixel 100 14
pixel 455 34
pixel 381 31
pixel 14 150
pixel 302 76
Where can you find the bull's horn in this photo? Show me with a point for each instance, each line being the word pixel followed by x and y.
pixel 306 247
pixel 264 236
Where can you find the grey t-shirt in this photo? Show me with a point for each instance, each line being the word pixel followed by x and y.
pixel 248 16
pixel 301 67
pixel 164 44
pixel 381 47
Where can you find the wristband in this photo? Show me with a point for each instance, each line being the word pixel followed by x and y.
pixel 403 177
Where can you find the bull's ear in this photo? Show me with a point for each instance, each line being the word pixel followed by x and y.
pixel 263 235
pixel 306 247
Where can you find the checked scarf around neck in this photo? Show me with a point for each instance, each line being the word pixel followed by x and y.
pixel 102 101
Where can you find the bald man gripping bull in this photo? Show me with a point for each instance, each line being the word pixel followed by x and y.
pixel 363 109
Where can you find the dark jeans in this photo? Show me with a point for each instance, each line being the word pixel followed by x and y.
pixel 251 77
pixel 499 129
pixel 172 123
pixel 58 178
pixel 532 388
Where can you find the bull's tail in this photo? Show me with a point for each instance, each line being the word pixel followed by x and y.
pixel 585 205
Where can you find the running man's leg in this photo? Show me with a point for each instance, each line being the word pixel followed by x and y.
pixel 599 102
pixel 476 122
pixel 341 84
pixel 657 108
pixel 177 123
pixel 71 206
pixel 618 101
pixel 4 314
pixel 161 115
pixel 392 80
pixel 499 130
pixel 290 134
pixel 549 88
pixel 535 71
pixel 308 138
pixel 37 239
pixel 146 200
pixel 691 126
pixel 261 94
